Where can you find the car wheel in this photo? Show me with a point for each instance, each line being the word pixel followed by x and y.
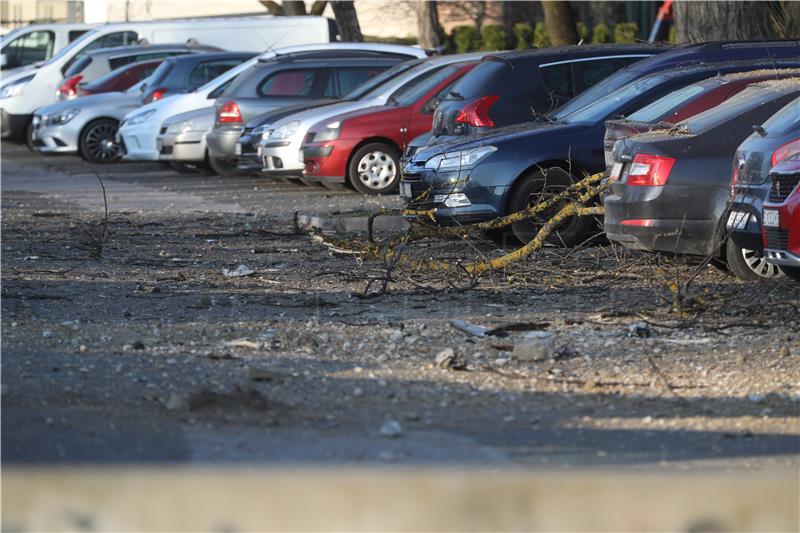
pixel 97 142
pixel 29 138
pixel 223 167
pixel 537 187
pixel 791 272
pixel 749 265
pixel 375 169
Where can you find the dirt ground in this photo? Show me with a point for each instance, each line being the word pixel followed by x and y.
pixel 139 349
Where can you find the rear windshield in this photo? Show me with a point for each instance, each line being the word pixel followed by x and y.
pixel 78 66
pixel 379 80
pixel 413 91
pixel 748 99
pixel 161 73
pixel 599 91
pixel 480 81
pixel 785 121
pixel 669 102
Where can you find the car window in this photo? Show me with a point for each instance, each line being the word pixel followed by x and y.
pixel 558 82
pixel 208 70
pixel 117 62
pixel 110 40
pixel 288 83
pixel 588 73
pixel 486 78
pixel 161 73
pixel 667 103
pixel 416 88
pixel 344 81
pixel 380 79
pixel 221 89
pixel 785 121
pixel 74 34
pixel 78 66
pixel 29 48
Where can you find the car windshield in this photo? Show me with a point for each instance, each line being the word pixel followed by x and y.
pixel 375 82
pixel 77 43
pixel 597 92
pixel 785 121
pixel 608 105
pixel 748 99
pixel 414 90
pixel 669 102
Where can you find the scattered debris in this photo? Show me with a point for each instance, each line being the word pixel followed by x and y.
pixel 448 358
pixel 535 346
pixel 238 272
pixel 242 343
pixel 391 429
pixel 176 402
pixel 469 329
pixel 640 329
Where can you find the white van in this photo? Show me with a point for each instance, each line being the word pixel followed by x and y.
pixel 28 88
pixel 37 43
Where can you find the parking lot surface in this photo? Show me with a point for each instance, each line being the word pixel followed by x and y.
pixel 127 344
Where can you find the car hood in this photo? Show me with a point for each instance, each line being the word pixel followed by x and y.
pixel 93 101
pixel 270 117
pixel 202 119
pixel 312 116
pixel 16 73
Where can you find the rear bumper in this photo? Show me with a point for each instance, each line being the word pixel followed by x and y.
pixel 679 236
pixel 221 142
pixel 14 127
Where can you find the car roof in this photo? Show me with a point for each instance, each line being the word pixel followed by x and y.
pixel 576 51
pixel 384 48
pixel 196 58
pixel 139 48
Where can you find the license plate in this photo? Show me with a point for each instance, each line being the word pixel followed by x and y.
pixel 772 218
pixel 405 190
pixel 738 220
pixel 238 149
pixel 616 170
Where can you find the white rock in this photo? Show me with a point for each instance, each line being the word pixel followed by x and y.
pixel 444 357
pixel 391 429
pixel 535 346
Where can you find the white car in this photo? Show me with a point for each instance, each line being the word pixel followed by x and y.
pixel 36 43
pixel 139 129
pixel 281 141
pixel 29 88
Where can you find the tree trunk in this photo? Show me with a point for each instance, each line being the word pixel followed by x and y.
pixel 429 30
pixel 347 21
pixel 294 8
pixel 274 8
pixel 699 21
pixel 318 7
pixel 559 22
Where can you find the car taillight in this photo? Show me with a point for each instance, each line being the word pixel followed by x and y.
pixel 785 150
pixel 650 170
pixel 476 113
pixel 229 112
pixel 70 86
pixel 158 94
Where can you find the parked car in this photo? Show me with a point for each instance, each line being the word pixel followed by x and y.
pixel 96 64
pixel 89 125
pixel 362 148
pixel 505 171
pixel 182 140
pixel 781 216
pixel 294 78
pixel 280 146
pixel 247 149
pixel 686 102
pixel 121 79
pixel 513 87
pixel 36 43
pixel 671 189
pixel 140 129
pixel 29 88
pixel 775 140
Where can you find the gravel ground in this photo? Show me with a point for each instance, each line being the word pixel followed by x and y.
pixel 141 350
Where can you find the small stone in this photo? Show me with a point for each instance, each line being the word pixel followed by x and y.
pixel 176 402
pixel 358 391
pixel 138 345
pixel 396 335
pixel 535 346
pixel 647 420
pixel 391 429
pixel 756 398
pixel 47 334
pixel 785 351
pixel 501 361
pixel 83 348
pixel 445 357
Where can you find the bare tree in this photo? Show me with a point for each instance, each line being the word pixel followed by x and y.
pixel 347 20
pixel 429 30
pixel 293 7
pixel 459 10
pixel 560 23
pixel 711 20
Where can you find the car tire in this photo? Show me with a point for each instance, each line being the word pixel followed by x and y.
pixel 537 186
pixel 791 272
pixel 223 167
pixel 749 265
pixel 375 169
pixel 29 138
pixel 97 144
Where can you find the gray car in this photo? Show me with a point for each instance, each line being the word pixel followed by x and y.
pixel 181 140
pixel 291 79
pixel 94 65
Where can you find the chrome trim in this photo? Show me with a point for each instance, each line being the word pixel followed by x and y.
pixel 782 257
pixel 581 60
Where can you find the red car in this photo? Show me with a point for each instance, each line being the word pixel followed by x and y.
pixel 120 79
pixel 363 147
pixel 780 227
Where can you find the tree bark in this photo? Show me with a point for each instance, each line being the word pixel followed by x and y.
pixel 698 21
pixel 560 23
pixel 274 8
pixel 318 7
pixel 347 21
pixel 429 30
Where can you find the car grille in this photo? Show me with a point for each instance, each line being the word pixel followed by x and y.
pixel 775 238
pixel 782 186
pixel 166 150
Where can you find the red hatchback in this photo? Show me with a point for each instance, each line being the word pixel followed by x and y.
pixel 120 79
pixel 363 147
pixel 781 217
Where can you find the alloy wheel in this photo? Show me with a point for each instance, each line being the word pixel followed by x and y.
pixel 758 264
pixel 100 142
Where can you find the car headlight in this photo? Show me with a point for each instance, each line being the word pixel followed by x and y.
pixel 285 131
pixel 141 117
pixel 14 88
pixel 462 159
pixel 63 117
pixel 180 127
pixel 329 133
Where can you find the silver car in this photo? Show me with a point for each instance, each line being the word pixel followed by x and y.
pixel 181 140
pixel 86 126
pixel 281 141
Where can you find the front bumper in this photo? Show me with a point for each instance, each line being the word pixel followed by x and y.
pixel 139 142
pixel 282 158
pixel 247 153
pixel 221 142
pixel 55 139
pixel 325 162
pixel 187 146
pixel 782 257
pixel 14 127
